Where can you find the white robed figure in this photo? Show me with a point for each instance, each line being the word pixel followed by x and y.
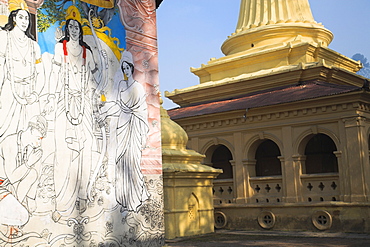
pixel 75 142
pixel 130 135
pixel 21 71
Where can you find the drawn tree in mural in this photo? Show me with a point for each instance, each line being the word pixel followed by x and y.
pixel 365 71
pixel 52 11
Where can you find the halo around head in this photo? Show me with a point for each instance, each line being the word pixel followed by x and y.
pixel 17 4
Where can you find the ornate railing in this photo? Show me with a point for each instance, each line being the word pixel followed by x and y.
pixel 320 187
pixel 314 188
pixel 223 191
pixel 266 189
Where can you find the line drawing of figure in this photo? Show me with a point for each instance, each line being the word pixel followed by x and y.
pixel 21 71
pixel 73 69
pixel 20 155
pixel 129 133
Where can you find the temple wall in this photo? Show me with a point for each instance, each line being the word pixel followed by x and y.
pixel 294 199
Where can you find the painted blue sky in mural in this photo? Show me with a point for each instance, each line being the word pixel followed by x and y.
pixel 47 39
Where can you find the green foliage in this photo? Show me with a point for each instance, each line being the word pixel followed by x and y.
pixel 53 11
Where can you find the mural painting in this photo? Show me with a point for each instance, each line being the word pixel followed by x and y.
pixel 79 132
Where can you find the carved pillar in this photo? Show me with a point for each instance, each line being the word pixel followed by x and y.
pixel 289 180
pixel 289 170
pixel 344 188
pixel 299 164
pixel 357 159
pixel 249 171
pixel 235 185
pixel 238 171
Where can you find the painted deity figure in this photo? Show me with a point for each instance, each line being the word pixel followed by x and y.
pixel 20 155
pixel 21 71
pixel 131 129
pixel 75 144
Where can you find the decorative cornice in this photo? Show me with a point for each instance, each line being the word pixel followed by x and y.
pixel 250 82
pixel 230 120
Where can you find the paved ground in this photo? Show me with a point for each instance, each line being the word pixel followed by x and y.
pixel 223 238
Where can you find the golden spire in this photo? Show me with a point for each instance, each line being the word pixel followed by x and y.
pixel 266 22
pixel 265 12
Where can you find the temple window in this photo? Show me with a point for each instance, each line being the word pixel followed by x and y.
pixel 320 157
pixel 221 159
pixel 267 161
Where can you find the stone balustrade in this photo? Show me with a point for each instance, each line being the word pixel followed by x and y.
pixel 320 187
pixel 223 191
pixel 267 189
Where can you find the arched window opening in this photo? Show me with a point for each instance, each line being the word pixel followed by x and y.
pixel 221 159
pixel 267 161
pixel 320 157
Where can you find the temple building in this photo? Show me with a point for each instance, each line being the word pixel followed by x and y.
pixel 288 121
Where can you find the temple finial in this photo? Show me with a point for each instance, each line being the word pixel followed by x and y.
pixel 268 22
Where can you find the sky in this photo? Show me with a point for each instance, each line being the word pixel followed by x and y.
pixel 191 32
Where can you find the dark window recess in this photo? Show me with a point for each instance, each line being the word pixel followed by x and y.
pixel 320 157
pixel 221 159
pixel 268 163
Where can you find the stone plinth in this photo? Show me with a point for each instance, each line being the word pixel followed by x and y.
pixel 188 197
